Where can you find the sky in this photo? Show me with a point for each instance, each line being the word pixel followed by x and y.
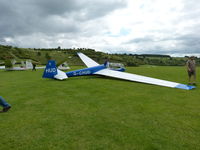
pixel 169 27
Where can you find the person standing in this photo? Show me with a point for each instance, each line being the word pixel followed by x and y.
pixel 191 69
pixel 34 67
pixel 4 104
pixel 107 63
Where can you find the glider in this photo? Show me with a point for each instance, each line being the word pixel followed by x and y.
pixel 64 66
pixel 94 68
pixel 25 65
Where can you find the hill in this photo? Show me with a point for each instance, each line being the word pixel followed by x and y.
pixel 41 56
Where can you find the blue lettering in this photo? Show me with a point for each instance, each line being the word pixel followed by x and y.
pixel 82 73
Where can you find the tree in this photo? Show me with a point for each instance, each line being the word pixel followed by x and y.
pixel 8 63
pixel 39 53
pixel 48 57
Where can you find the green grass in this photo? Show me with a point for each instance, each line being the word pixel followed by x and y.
pixel 94 112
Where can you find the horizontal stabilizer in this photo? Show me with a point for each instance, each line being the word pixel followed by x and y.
pixel 60 75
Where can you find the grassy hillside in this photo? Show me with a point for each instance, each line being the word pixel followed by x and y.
pixel 41 56
pixel 94 112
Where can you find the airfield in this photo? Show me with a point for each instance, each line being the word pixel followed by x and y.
pixel 94 112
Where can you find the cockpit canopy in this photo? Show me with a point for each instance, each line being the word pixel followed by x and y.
pixel 115 66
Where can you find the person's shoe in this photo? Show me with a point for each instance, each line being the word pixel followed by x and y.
pixel 5 109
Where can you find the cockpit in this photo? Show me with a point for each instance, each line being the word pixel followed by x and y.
pixel 115 66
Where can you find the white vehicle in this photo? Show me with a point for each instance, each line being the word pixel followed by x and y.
pixel 24 65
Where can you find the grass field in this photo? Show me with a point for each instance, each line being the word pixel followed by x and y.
pixel 86 113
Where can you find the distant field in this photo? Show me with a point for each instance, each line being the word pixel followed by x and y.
pixel 94 112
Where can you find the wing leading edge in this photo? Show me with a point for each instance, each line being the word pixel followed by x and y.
pixel 143 79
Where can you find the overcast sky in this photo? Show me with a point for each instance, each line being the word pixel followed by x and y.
pixel 114 26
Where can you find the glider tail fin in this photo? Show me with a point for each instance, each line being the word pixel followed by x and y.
pixel 51 71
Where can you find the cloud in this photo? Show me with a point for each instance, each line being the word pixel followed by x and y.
pixel 150 26
pixel 49 16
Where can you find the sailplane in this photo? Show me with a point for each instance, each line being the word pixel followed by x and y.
pixel 93 68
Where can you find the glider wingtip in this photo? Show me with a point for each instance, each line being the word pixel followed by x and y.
pixel 191 87
pixel 185 87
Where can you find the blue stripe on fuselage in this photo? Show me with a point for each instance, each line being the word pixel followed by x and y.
pixel 86 71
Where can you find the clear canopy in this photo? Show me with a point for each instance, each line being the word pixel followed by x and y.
pixel 115 65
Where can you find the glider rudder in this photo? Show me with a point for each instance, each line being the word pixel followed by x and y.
pixel 50 70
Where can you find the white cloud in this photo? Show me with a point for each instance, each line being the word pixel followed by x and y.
pixel 134 26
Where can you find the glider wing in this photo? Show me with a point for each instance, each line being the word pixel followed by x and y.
pixel 87 61
pixel 143 79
